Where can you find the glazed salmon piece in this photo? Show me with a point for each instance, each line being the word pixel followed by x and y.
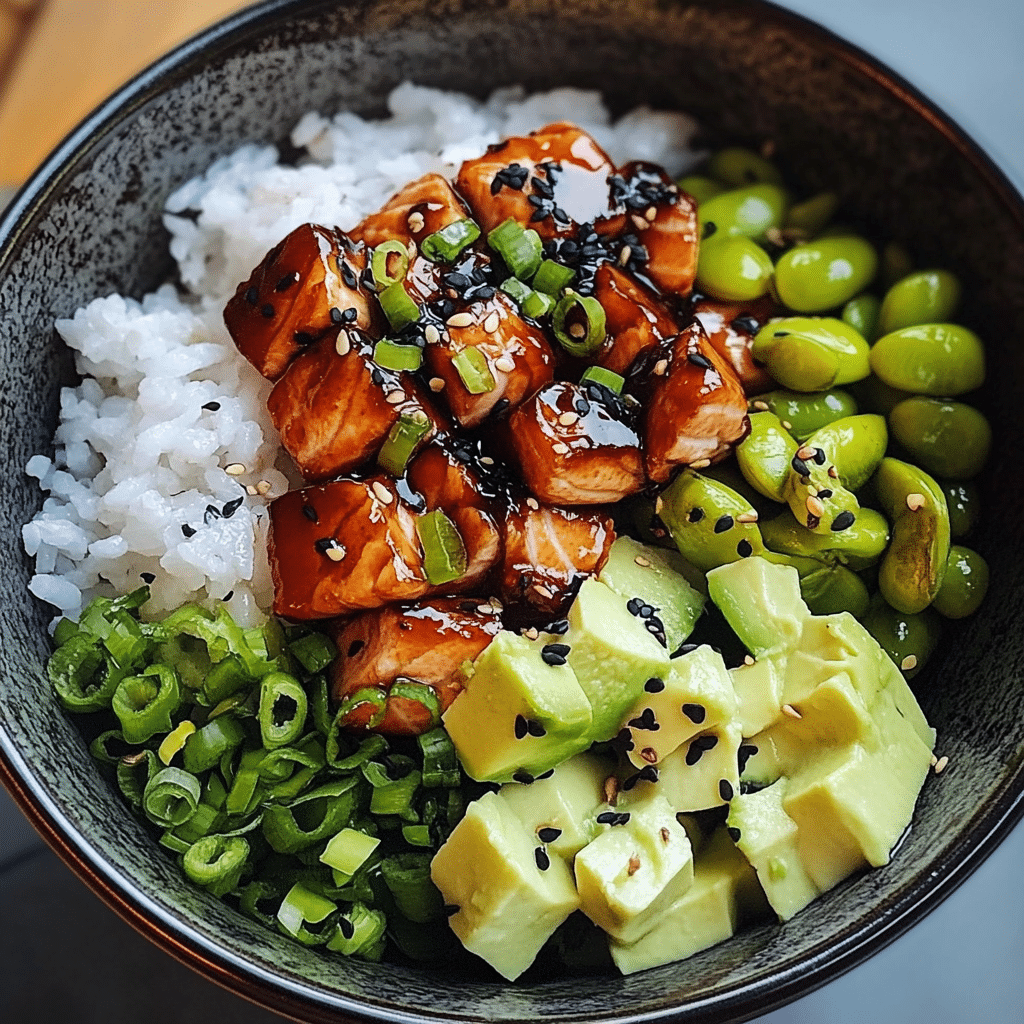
pixel 695 410
pixel 661 230
pixel 334 406
pixel 552 180
pixel 417 211
pixel 549 552
pixel 517 359
pixel 449 483
pixel 305 287
pixel 576 445
pixel 426 642
pixel 635 318
pixel 730 327
pixel 343 547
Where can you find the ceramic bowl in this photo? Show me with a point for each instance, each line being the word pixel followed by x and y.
pixel 89 224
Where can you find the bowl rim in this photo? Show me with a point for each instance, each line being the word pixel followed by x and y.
pixel 744 1000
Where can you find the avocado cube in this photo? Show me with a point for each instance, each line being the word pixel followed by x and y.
pixel 758 690
pixel 768 838
pixel 702 773
pixel 655 576
pixel 510 900
pixel 611 653
pixel 724 892
pixel 695 695
pixel 518 715
pixel 564 801
pixel 631 872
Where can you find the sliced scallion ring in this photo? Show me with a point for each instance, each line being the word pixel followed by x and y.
pixel 422 694
pixel 283 707
pixel 552 277
pixel 578 323
pixel 393 356
pixel 444 553
pixel 398 306
pixel 445 245
pixel 606 378
pixel 389 263
pixel 216 862
pixel 471 366
pixel 401 442
pixel 519 247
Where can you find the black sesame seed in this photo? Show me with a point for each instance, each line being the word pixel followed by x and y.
pixel 654 685
pixel 496 182
pixel 645 720
pixel 606 817
pixel 377 377
pixel 555 654
pixel 231 507
pixel 827 493
pixel 336 317
pixel 347 274
pixel 350 314
pixel 709 229
pixel 324 544
pixel 212 512
pixel 696 514
pixel 286 282
pixel 561 215
pixel 819 456
pixel 546 775
pixel 523 776
pixel 347 928
pixel 267 311
pixel 212 406
pixel 501 406
pixel 633 605
pixel 723 523
pixel 559 627
pixel 725 790
pixel 535 729
pixel 621 819
pixel 147 577
pixel 227 597
pixel 581 405
pixel 696 713
pixel 744 549
pixel 548 834
pixel 543 188
pixel 624 741
pixel 694 752
pixel 628 784
pixel 355 647
pixel 745 753
pixel 800 467
pixel 813 521
pixel 310 513
pixel 451 909
pixel 684 649
pixel 747 324
pixel 649 773
pixel 187 530
pixel 708 742
pixel 252 296
pixel 843 521
pixel 781 334
pixel 698 360
pixel 520 728
pixel 734 834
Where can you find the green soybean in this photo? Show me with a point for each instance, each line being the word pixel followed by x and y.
pixel 811 353
pixel 810 216
pixel 965 584
pixel 947 438
pixel 818 499
pixel 738 166
pixel 964 503
pixel 874 395
pixel 700 187
pixel 750 211
pixel 802 413
pixel 859 546
pixel 924 297
pixel 912 568
pixel 930 359
pixel 909 639
pixel 861 313
pixel 855 445
pixel 832 589
pixel 765 454
pixel 825 273
pixel 734 269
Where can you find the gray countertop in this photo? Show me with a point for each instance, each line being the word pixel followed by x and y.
pixel 962 963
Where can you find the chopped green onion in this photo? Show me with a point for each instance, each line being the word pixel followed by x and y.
pixel 578 323
pixel 134 773
pixel 421 693
pixel 348 759
pixel 360 932
pixel 472 367
pixel 214 791
pixel 444 553
pixel 416 835
pixel 520 248
pixel 394 356
pixel 254 896
pixel 320 704
pixel 64 631
pixel 302 907
pixel 398 306
pixel 445 245
pixel 440 762
pixel 173 843
pixel 79 676
pixel 606 378
pixel 280 764
pixel 175 740
pixel 407 875
pixel 171 797
pixel 370 698
pixel 243 792
pixel 314 652
pixel 224 679
pixel 110 746
pixel 144 703
pixel 199 825
pixel 403 437
pixel 552 277
pixel 205 747
pixel 396 797
pixel 389 263
pixel 516 290
pixel 312 817
pixel 537 304
pixel 216 863
pixel 283 707
pixel 348 850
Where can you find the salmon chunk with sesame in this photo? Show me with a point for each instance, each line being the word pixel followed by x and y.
pixel 730 327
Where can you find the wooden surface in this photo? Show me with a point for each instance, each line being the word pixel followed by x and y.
pixel 60 58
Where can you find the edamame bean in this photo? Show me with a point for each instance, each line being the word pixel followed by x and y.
pixel 948 439
pixel 735 268
pixel 833 589
pixel 765 454
pixel 855 445
pixel 738 166
pixel 857 547
pixel 811 216
pixel 965 584
pixel 924 297
pixel 750 211
pixel 964 503
pixel 908 639
pixel 874 395
pixel 825 273
pixel 930 359
pixel 912 568
pixel 701 188
pixel 811 353
pixel 861 313
pixel 815 495
pixel 806 412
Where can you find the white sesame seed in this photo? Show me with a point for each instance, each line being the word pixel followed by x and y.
pixel 833 472
pixel 505 363
pixel 640 223
pixel 567 419
pixel 416 221
pixel 487 460
pixel 700 464
pixel 611 789
pixel 659 504
pixel 786 425
pixel 533 503
pixel 492 323
pixel 235 469
pixel 263 487
pixel 496 605
pixel 395 398
pixel 545 146
pixel 815 507
pixel 807 452
pixel 431 334
pixel 941 764
pixel 634 865
pixel 337 552
pixel 559 448
pixel 761 406
pixel 747 659
pixel 382 493
pixel 411 249
pixel 916 501
pixel 459 320
pixel 660 367
pixel 250 490
pixel 934 760
pixel 343 344
pixel 627 252
pixel 650 213
pixel 484 609
pixel 577 330
pixel 531 634
pixel 909 663
pixel 642 562
pixel 542 590
pixel 788 709
pixel 436 384
pixel 747 517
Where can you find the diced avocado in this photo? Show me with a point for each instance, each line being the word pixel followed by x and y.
pixel 696 694
pixel 564 801
pixel 758 690
pixel 631 872
pixel 518 713
pixel 724 891
pixel 656 577
pixel 762 603
pixel 904 700
pixel 510 900
pixel 611 653
pixel 702 773
pixel 767 836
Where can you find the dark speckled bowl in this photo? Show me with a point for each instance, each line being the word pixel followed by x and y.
pixel 89 223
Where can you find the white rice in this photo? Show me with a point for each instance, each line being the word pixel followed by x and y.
pixel 137 457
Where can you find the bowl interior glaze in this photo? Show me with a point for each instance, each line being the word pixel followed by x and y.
pixel 89 224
